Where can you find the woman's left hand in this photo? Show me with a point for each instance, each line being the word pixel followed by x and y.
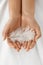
pixel 35 27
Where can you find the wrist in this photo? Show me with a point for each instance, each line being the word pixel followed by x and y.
pixel 27 16
pixel 15 16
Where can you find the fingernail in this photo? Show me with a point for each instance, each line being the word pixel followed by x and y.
pixel 27 49
pixel 18 49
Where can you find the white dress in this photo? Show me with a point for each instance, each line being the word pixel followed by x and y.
pixel 8 55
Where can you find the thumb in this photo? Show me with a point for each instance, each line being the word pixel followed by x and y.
pixel 37 34
pixel 5 35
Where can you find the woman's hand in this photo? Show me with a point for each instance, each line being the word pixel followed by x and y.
pixel 14 21
pixel 31 22
pixel 12 25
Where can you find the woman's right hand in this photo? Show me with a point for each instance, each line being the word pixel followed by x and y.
pixel 12 25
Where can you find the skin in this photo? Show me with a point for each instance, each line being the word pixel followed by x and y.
pixel 27 19
pixel 14 8
pixel 13 22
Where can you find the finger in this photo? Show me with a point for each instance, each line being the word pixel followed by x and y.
pixel 32 44
pixel 25 44
pixel 19 45
pixel 5 35
pixel 28 45
pixel 10 43
pixel 37 34
pixel 22 44
pixel 13 44
pixel 16 45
